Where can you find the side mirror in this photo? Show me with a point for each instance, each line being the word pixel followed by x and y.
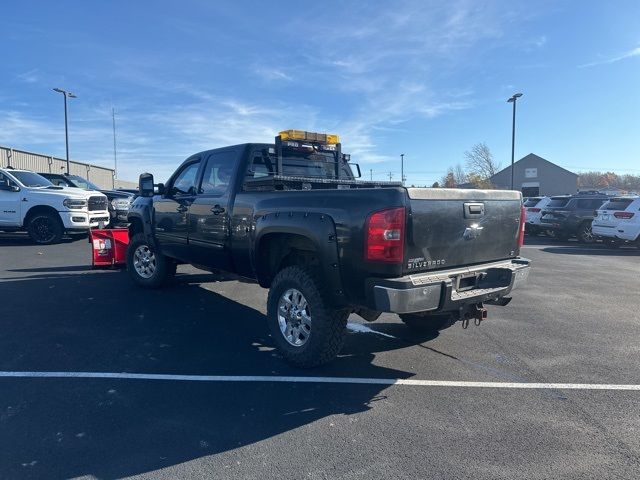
pixel 160 190
pixel 145 185
pixel 9 188
pixel 357 168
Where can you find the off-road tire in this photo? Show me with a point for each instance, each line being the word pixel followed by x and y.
pixel 328 323
pixel 165 268
pixel 585 234
pixel 39 222
pixel 423 322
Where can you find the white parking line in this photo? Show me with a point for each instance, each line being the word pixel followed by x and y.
pixel 347 380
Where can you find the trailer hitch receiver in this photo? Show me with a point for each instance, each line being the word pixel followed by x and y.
pixel 476 312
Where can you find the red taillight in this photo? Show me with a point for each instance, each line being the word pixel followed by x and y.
pixel 533 210
pixel 624 215
pixel 523 217
pixel 385 236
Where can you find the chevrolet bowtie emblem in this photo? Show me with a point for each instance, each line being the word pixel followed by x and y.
pixel 472 232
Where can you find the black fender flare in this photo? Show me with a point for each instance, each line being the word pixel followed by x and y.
pixel 141 212
pixel 318 228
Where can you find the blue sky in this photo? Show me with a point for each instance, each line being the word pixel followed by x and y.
pixel 427 79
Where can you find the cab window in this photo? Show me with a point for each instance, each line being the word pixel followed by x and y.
pixel 185 182
pixel 260 167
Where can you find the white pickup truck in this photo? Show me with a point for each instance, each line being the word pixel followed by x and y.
pixel 30 202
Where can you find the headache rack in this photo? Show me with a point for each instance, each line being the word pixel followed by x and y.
pixel 338 175
pixel 284 182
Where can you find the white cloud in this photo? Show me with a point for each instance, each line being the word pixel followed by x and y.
pixel 29 77
pixel 634 52
pixel 273 74
pixel 540 41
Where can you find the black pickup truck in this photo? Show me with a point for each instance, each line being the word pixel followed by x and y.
pixel 292 216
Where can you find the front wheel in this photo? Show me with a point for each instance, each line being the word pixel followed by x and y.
pixel 45 228
pixel 305 328
pixel 146 267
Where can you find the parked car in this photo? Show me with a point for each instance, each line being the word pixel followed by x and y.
pixel 119 201
pixel 571 215
pixel 30 202
pixel 533 209
pixel 618 220
pixel 292 216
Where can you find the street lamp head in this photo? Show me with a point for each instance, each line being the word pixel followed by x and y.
pixel 514 97
pixel 64 92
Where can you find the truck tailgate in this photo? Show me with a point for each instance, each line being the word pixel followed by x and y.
pixel 454 227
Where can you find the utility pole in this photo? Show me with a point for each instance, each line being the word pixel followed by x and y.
pixel 513 100
pixel 390 175
pixel 66 125
pixel 115 155
pixel 402 168
pixel 371 174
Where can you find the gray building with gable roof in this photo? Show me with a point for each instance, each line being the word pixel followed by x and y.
pixel 533 176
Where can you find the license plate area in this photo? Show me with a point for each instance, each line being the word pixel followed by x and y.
pixel 467 282
pixel 488 279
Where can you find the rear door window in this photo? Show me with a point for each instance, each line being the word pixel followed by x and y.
pixel 558 202
pixel 218 173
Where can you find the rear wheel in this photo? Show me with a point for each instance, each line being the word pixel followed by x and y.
pixel 424 322
pixel 305 328
pixel 146 267
pixel 45 228
pixel 585 234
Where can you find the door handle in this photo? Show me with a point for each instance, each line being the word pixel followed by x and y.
pixel 217 209
pixel 182 208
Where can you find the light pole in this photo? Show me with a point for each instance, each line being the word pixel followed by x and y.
pixel 513 100
pixel 402 168
pixel 115 156
pixel 66 125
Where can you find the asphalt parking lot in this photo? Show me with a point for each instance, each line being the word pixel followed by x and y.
pixel 576 322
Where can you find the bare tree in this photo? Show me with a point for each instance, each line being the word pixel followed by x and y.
pixel 480 161
pixel 459 174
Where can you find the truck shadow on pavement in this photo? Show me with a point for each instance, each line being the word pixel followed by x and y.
pixel 108 428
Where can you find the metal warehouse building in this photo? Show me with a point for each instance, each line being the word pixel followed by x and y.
pixel 101 176
pixel 533 176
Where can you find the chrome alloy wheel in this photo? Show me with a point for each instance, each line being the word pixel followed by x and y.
pixel 144 261
pixel 588 235
pixel 294 318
